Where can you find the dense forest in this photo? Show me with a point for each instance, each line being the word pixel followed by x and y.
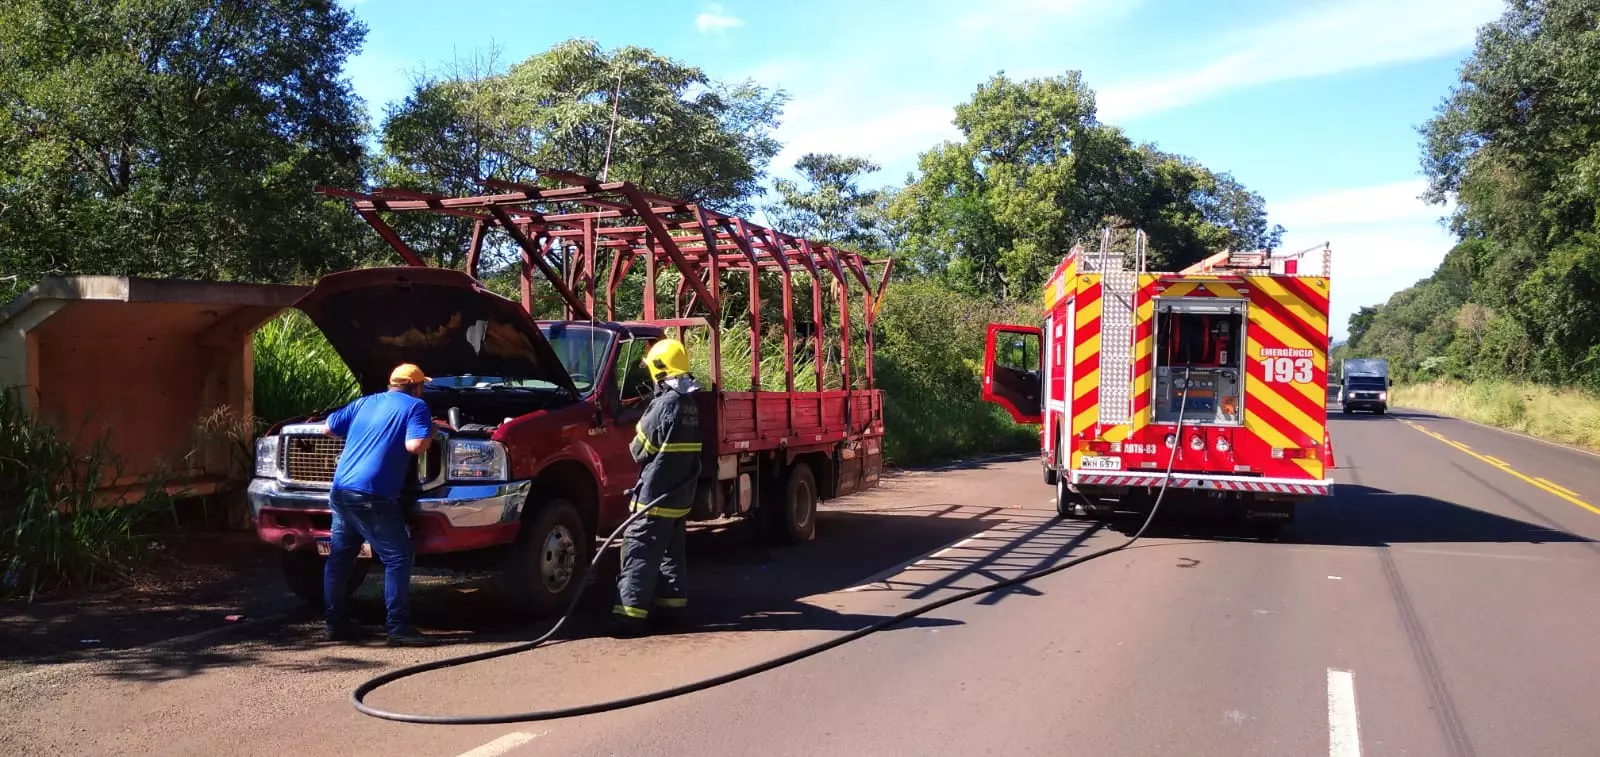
pixel 1517 146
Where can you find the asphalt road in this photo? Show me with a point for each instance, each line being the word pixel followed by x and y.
pixel 1445 602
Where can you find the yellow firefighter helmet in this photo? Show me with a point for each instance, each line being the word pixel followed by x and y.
pixel 667 358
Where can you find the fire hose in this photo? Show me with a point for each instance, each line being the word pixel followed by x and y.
pixel 359 695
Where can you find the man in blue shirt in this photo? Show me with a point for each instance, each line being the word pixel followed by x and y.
pixel 381 432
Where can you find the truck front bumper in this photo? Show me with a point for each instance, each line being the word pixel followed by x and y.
pixel 451 518
pixel 1249 484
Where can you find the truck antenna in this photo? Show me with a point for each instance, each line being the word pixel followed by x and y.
pixel 611 134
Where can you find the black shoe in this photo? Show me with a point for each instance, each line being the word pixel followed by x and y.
pixel 627 628
pixel 673 618
pixel 411 639
pixel 348 632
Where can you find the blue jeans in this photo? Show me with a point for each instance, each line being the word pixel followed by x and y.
pixel 378 521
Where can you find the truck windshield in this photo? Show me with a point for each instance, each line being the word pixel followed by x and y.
pixel 582 350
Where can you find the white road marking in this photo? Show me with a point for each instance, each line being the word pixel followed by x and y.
pixel 501 745
pixel 1460 553
pixel 1344 737
pixel 1335 578
pixel 896 570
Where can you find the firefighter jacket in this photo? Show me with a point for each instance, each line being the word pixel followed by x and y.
pixel 666 445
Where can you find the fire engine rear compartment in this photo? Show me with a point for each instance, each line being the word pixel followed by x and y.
pixel 1244 335
pixel 1199 346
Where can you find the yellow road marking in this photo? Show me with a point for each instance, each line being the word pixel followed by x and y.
pixel 1559 491
pixel 1554 485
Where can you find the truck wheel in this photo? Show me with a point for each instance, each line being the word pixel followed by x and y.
pixel 547 562
pixel 1050 475
pixel 1064 498
pixel 302 571
pixel 798 516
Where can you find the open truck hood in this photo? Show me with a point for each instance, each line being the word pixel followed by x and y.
pixel 437 318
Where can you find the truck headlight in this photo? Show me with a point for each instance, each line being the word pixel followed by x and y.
pixel 1384 396
pixel 267 456
pixel 477 460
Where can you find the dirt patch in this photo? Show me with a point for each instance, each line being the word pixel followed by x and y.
pixel 194 583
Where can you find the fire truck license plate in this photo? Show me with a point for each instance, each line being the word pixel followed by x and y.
pixel 324 547
pixel 1101 463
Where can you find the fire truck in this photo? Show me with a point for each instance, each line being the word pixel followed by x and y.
pixel 1235 346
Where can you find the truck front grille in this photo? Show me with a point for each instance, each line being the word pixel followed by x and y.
pixel 311 459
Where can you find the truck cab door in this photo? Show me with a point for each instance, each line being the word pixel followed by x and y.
pixel 627 397
pixel 1012 376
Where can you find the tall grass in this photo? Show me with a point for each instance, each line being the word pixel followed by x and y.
pixel 1563 415
pixel 296 371
pixel 930 366
pixel 52 536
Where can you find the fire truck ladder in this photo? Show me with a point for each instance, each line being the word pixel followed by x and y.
pixel 1119 293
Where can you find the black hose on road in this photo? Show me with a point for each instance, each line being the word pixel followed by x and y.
pixel 359 695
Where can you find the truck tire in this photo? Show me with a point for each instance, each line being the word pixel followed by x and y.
pixel 302 572
pixel 1064 498
pixel 1050 475
pixel 546 563
pixel 795 519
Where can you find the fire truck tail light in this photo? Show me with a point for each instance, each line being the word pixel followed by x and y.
pixel 1277 453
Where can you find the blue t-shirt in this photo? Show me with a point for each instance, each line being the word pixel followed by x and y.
pixel 375 430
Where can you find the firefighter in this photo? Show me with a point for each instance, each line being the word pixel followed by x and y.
pixel 666 444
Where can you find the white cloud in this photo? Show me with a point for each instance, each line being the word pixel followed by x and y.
pixel 713 20
pixel 1347 36
pixel 1361 206
pixel 1383 240
pixel 888 137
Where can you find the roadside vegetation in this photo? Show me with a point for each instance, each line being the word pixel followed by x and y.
pixel 1570 416
pixel 1506 331
pixel 296 371
pixel 52 536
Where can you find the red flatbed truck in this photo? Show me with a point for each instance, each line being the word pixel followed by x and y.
pixel 534 416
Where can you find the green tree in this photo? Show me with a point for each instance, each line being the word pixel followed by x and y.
pixel 677 132
pixel 1515 144
pixel 1036 171
pixel 833 207
pixel 176 138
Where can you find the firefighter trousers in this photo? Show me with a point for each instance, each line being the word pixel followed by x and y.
pixel 654 574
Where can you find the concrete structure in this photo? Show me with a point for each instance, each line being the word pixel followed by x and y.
pixel 140 362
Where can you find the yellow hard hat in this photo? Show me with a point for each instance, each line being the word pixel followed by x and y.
pixel 667 358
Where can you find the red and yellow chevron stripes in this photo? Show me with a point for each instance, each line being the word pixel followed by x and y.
pixel 1287 320
pixel 1287 317
pixel 1061 283
pixel 1085 396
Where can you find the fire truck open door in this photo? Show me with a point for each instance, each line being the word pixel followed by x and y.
pixel 1012 371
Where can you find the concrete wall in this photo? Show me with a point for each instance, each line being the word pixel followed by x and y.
pixel 140 363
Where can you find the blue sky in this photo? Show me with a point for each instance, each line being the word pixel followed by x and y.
pixel 1312 103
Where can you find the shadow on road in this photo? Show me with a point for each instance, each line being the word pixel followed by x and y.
pixel 736 583
pixel 1361 516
